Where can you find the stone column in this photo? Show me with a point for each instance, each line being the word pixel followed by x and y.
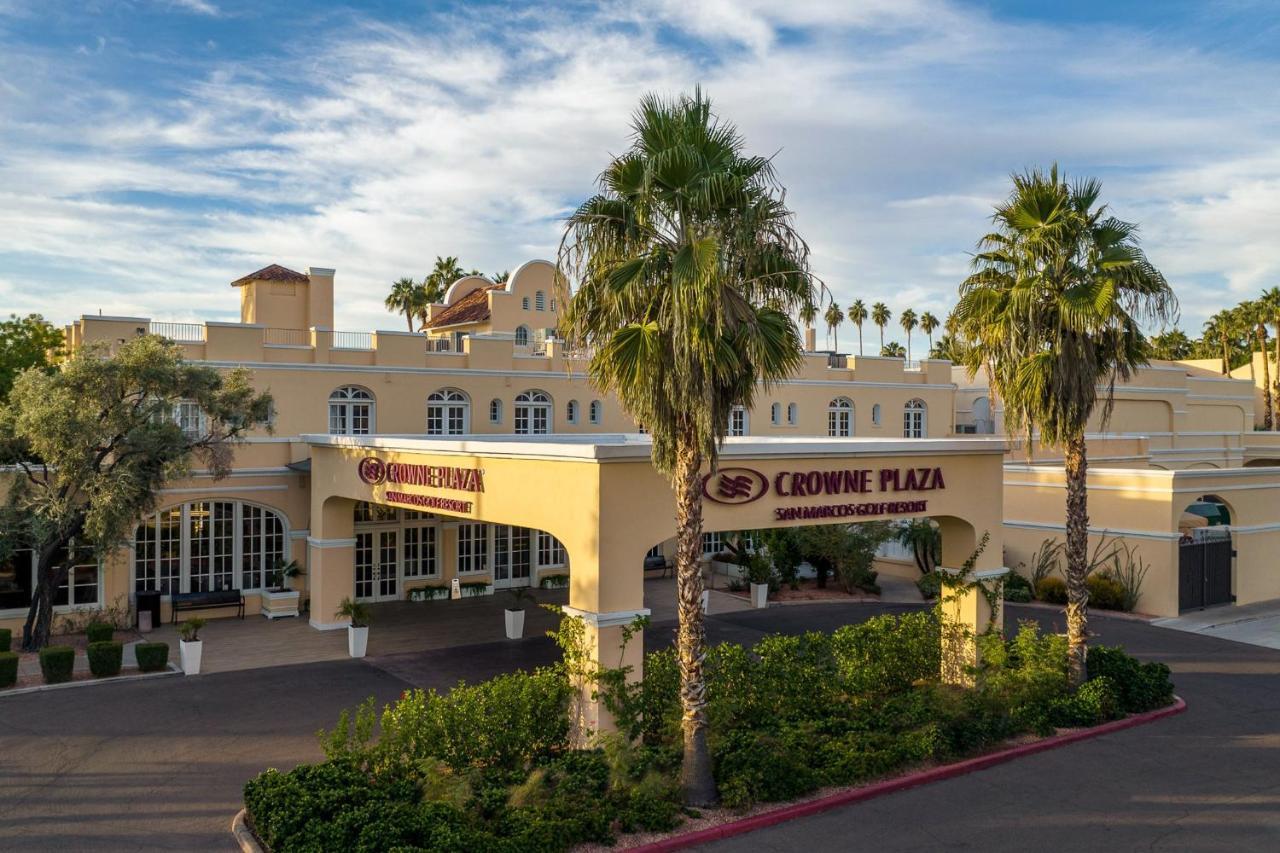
pixel 331 554
pixel 975 606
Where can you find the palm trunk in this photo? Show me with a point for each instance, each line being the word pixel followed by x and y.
pixel 1226 360
pixel 1266 377
pixel 882 340
pixel 408 316
pixel 1077 466
pixel 1275 392
pixel 696 779
pixel 908 346
pixel 860 341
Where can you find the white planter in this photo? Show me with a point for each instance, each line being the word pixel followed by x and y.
pixel 515 623
pixel 190 654
pixel 277 604
pixel 706 602
pixel 357 640
pixel 759 595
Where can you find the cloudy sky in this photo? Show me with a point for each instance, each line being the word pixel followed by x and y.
pixel 153 150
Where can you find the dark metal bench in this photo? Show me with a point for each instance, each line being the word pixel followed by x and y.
pixel 206 601
pixel 658 562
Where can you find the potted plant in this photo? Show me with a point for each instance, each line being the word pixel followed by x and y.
pixel 357 613
pixel 514 614
pixel 191 648
pixel 279 600
pixel 759 573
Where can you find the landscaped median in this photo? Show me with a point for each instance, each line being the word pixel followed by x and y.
pixel 77 659
pixel 490 767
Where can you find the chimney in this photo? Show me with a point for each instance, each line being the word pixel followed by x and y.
pixel 320 298
pixel 811 339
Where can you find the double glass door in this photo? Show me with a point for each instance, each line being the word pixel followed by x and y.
pixel 512 555
pixel 377 565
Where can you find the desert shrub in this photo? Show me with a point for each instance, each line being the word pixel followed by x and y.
pixel 105 658
pixel 152 657
pixel 1105 592
pixel 1052 589
pixel 8 669
pixel 57 663
pixel 98 632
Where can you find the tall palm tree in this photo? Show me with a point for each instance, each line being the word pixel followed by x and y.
pixel 881 315
pixel 857 314
pixel 909 321
pixel 1254 315
pixel 687 269
pixel 1270 299
pixel 928 323
pixel 834 317
pixel 401 299
pixel 1052 311
pixel 434 286
pixel 1220 326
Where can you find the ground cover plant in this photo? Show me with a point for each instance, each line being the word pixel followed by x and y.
pixel 490 766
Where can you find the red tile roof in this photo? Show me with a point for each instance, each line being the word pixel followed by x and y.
pixel 472 308
pixel 274 272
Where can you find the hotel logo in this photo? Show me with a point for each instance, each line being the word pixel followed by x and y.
pixel 735 485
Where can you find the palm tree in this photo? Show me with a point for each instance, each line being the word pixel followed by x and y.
pixel 1221 326
pixel 1171 345
pixel 834 317
pixel 881 315
pixel 908 320
pixel 893 349
pixel 401 299
pixel 928 323
pixel 1271 302
pixel 1254 315
pixel 687 269
pixel 857 316
pixel 501 278
pixel 1052 312
pixel 444 273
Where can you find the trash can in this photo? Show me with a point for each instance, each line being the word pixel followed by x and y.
pixel 149 601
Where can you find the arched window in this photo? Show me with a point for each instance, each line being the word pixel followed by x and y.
pixel 205 546
pixel 533 413
pixel 793 414
pixel 522 336
pixel 351 411
pixel 495 411
pixel 593 411
pixel 775 414
pixel 875 415
pixel 840 417
pixel 540 301
pixel 737 421
pixel 448 412
pixel 571 411
pixel 914 420
pixel 524 303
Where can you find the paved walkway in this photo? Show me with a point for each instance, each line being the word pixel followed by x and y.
pixel 160 765
pixel 1257 624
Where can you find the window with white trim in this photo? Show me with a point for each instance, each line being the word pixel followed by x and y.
pixel 208 545
pixel 793 414
pixel 473 548
pixel 191 419
pixel 875 415
pixel 420 551
pixel 593 411
pixel 914 421
pixel 775 414
pixel 737 421
pixel 351 411
pixel 539 301
pixel 571 411
pixel 712 543
pixel 522 336
pixel 448 412
pixel 495 411
pixel 17 579
pixel 551 551
pixel 533 413
pixel 524 303
pixel 840 417
pixel 81 586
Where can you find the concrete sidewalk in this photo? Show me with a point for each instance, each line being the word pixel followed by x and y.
pixel 1257 624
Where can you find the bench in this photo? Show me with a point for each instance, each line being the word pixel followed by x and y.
pixel 206 601
pixel 658 562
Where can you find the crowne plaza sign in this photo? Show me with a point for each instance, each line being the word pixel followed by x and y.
pixel 745 485
pixel 374 471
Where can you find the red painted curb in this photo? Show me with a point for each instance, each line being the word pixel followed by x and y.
pixel 924 777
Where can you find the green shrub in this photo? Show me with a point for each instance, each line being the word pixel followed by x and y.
pixel 8 669
pixel 1095 702
pixel 754 766
pixel 1105 592
pixel 930 585
pixel 1052 589
pixel 557 581
pixel 105 658
pixel 1139 686
pixel 1017 588
pixel 887 653
pixel 152 657
pixel 6 639
pixel 57 663
pixel 98 632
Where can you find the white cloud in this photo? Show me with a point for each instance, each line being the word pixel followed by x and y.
pixel 198 7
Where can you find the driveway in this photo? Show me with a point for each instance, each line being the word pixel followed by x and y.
pixel 159 765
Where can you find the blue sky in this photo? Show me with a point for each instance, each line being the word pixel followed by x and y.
pixel 151 151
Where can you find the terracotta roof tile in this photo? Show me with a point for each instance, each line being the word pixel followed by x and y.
pixel 273 272
pixel 472 308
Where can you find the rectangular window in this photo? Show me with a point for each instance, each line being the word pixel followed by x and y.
pixel 338 419
pixel 738 421
pixel 419 552
pixel 550 550
pixel 190 419
pixel 17 572
pixel 81 584
pixel 473 548
pixel 712 543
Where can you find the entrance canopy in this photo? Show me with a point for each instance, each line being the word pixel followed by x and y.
pixel 602 498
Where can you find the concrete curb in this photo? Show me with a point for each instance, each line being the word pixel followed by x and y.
pixel 90 682
pixel 244 835
pixel 924 777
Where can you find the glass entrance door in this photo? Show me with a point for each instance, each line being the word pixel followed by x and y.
pixel 377 565
pixel 512 555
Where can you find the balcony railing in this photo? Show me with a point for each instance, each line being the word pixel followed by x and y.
pixel 185 333
pixel 351 340
pixel 287 337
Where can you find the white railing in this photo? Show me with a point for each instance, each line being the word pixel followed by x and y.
pixel 287 337
pixel 186 333
pixel 351 340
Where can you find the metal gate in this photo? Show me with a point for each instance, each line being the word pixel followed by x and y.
pixel 1204 573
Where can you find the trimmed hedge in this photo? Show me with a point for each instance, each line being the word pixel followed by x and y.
pixel 99 632
pixel 6 640
pixel 105 658
pixel 152 657
pixel 8 669
pixel 57 663
pixel 1052 589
